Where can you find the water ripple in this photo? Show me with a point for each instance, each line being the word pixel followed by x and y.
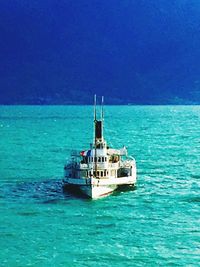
pixel 47 191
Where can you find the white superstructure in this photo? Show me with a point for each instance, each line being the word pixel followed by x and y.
pixel 100 170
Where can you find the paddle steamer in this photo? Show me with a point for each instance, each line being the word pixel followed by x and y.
pixel 99 170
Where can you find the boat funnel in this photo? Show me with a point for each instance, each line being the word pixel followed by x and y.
pixel 98 129
pixel 98 123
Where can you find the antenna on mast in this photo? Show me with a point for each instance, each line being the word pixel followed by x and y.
pixel 102 113
pixel 102 102
pixel 95 104
pixel 95 138
pixel 95 119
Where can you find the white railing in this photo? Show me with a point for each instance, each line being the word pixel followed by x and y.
pixel 93 165
pixel 114 165
pixel 84 166
pixel 106 165
pixel 127 163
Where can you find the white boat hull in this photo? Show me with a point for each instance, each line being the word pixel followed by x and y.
pixel 95 192
pixel 96 188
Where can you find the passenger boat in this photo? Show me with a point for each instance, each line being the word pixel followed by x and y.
pixel 99 170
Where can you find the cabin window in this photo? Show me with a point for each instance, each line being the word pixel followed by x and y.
pixel 105 159
pixel 101 173
pixel 95 159
pixel 105 173
pixel 102 159
pixel 99 159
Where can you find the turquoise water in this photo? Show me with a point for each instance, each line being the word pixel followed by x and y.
pixel 157 224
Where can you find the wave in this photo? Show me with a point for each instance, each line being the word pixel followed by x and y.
pixel 47 191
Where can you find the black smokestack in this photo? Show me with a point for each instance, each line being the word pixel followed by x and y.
pixel 98 129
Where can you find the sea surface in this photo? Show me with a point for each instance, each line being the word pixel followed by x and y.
pixel 156 224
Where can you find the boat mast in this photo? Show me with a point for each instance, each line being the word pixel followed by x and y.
pixel 95 118
pixel 95 139
pixel 102 115
pixel 98 131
